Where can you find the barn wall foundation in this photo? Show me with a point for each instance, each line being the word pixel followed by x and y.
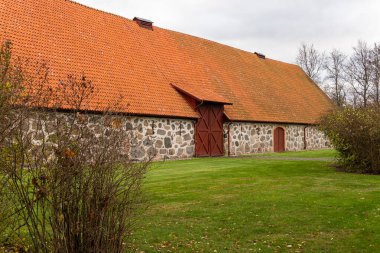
pixel 161 138
pixel 168 138
pixel 250 138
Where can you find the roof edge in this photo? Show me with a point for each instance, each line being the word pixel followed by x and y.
pixel 168 29
pixel 274 122
pixel 182 90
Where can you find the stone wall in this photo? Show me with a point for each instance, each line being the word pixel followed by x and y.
pixel 148 136
pixel 249 138
pixel 294 137
pixel 167 138
pixel 315 139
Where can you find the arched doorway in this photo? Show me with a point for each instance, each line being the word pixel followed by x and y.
pixel 279 139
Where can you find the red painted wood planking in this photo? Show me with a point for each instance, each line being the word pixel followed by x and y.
pixel 209 130
pixel 279 139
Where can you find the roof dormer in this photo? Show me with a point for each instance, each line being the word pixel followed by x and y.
pixel 144 23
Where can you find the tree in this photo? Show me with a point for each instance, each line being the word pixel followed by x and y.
pixel 311 61
pixel 359 71
pixel 375 61
pixel 334 66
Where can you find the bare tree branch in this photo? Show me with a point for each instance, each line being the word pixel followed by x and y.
pixel 360 72
pixel 311 61
pixel 335 75
pixel 375 61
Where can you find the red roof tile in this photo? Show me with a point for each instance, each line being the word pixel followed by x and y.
pixel 201 94
pixel 122 58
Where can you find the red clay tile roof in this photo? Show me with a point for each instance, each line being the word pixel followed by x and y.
pixel 201 94
pixel 122 58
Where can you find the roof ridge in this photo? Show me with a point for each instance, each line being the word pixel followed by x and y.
pixel 95 9
pixel 187 34
pixel 208 40
pixel 226 45
pixel 167 29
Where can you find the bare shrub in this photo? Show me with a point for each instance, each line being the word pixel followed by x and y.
pixel 10 90
pixel 68 173
pixel 355 133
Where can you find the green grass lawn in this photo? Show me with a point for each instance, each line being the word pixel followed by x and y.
pixel 324 153
pixel 259 205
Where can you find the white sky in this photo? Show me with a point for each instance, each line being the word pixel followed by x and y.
pixel 273 27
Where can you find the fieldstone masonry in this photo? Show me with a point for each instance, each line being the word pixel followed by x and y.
pixel 316 139
pixel 249 138
pixel 165 138
pixel 160 138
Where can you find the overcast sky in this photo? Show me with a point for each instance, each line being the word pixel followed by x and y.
pixel 273 27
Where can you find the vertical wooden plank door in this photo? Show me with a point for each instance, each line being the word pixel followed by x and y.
pixel 279 139
pixel 209 130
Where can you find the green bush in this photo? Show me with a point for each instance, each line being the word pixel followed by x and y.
pixel 355 133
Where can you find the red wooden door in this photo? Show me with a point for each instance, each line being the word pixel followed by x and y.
pixel 279 140
pixel 209 130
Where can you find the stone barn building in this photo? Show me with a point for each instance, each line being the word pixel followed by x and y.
pixel 186 96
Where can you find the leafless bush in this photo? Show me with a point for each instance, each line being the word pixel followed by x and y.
pixel 68 173
pixel 10 88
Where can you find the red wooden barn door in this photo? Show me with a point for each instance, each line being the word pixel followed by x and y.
pixel 279 140
pixel 209 130
pixel 202 147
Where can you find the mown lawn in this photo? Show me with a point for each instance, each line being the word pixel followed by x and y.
pixel 324 153
pixel 259 205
